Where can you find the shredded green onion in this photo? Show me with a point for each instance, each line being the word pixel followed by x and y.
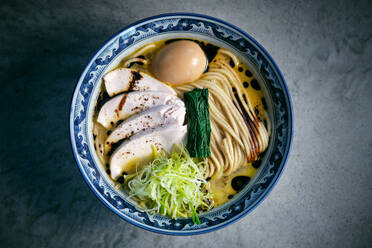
pixel 172 185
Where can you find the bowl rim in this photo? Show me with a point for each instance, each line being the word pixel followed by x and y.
pixel 285 156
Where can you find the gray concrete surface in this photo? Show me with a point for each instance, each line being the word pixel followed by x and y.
pixel 323 199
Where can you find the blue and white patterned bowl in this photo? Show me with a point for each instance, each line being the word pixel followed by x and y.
pixel 169 26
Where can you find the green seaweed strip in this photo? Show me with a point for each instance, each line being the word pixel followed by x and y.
pixel 198 123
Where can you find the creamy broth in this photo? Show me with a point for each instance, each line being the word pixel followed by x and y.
pixel 222 187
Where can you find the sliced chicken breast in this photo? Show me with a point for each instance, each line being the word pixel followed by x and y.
pixel 151 118
pixel 124 105
pixel 138 148
pixel 123 79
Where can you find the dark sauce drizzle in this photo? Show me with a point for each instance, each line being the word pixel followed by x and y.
pixel 239 182
pixel 120 180
pixel 108 169
pixel 119 122
pixel 138 63
pixel 255 84
pixel 256 164
pixel 231 63
pixel 248 73
pixel 102 99
pixel 135 77
pixel 114 146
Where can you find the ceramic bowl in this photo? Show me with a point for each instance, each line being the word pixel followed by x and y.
pixel 182 25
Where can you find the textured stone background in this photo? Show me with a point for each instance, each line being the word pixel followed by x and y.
pixel 323 48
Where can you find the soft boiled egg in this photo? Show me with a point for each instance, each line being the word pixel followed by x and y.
pixel 179 62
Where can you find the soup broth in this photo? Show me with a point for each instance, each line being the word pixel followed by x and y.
pixel 223 183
